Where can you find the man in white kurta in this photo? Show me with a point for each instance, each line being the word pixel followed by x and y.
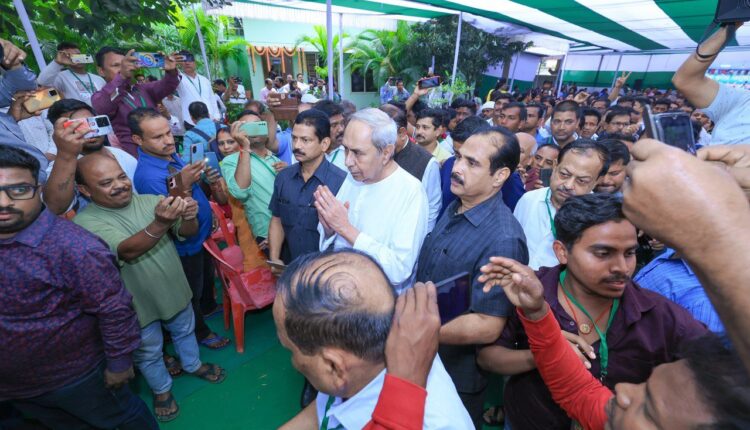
pixel 380 209
pixel 196 88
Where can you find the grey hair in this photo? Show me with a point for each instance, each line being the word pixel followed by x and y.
pixel 384 131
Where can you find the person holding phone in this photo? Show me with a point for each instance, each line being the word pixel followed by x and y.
pixel 195 87
pixel 70 77
pixel 473 228
pixel 120 96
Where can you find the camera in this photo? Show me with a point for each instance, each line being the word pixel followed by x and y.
pixel 731 11
pixel 98 125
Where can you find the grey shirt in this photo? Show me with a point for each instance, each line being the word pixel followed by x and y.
pixel 464 243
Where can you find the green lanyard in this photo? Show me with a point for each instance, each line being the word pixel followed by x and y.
pixel 199 88
pixel 324 424
pixel 549 212
pixel 273 171
pixel 93 88
pixel 143 101
pixel 603 347
pixel 336 154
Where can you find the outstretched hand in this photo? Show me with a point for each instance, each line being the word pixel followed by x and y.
pixel 519 283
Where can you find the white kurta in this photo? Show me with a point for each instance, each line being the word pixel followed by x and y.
pixel 391 216
pixel 197 89
pixel 531 212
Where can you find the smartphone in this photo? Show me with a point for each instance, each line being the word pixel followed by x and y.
pixel 672 128
pixel 545 175
pixel 276 265
pixel 184 58
pixel 97 125
pixel 257 128
pixel 174 185
pixel 212 161
pixel 42 99
pixel 150 60
pixel 196 153
pixel 453 296
pixel 81 59
pixel 430 82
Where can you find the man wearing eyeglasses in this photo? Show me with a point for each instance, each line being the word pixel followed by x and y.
pixel 67 330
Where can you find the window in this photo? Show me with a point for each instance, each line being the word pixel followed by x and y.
pixel 363 84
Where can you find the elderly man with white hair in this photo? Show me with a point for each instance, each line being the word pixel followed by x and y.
pixel 380 209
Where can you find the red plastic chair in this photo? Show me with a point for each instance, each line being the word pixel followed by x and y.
pixel 226 232
pixel 243 291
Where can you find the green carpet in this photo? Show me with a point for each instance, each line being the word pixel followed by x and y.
pixel 261 391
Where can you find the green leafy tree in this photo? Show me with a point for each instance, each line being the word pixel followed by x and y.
pixel 319 42
pixel 385 53
pixel 478 50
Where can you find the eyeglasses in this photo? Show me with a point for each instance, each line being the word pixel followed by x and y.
pixel 20 192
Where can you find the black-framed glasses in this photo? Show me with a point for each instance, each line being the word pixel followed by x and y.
pixel 20 192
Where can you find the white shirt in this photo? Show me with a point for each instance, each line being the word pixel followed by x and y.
pixel 443 408
pixel 391 216
pixel 337 157
pixel 531 212
pixel 241 98
pixel 194 90
pixel 447 144
pixel 174 107
pixel 431 184
pixel 730 112
pixel 38 132
pixel 73 85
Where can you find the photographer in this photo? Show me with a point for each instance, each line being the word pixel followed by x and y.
pixel 728 107
pixel 16 85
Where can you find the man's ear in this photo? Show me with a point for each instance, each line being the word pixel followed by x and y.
pixel 325 143
pixel 138 140
pixel 84 189
pixel 389 152
pixel 336 369
pixel 500 176
pixel 561 251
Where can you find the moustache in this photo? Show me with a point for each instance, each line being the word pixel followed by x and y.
pixel 10 211
pixel 297 152
pixel 457 178
pixel 617 278
pixel 119 191
pixel 419 136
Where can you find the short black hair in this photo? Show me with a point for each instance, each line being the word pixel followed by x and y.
pixel 665 102
pixel 12 157
pixel 220 82
pixel 642 100
pixel 468 127
pixel 508 151
pixel 316 119
pixel 601 99
pixel 617 136
pixel 417 107
pixel 66 45
pixel 521 109
pixel 587 111
pixel 721 380
pixel 248 112
pixel 497 95
pixel 549 99
pixel 462 102
pixel 397 114
pixel 548 145
pixel 625 99
pixel 582 146
pixel 329 107
pixel 567 106
pixel 617 111
pixel 65 106
pixel 579 213
pixel 541 108
pixel 436 115
pixel 448 115
pixel 318 315
pixel 617 151
pixel 136 116
pixel 198 110
pixel 101 53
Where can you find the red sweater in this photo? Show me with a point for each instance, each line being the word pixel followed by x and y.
pixel 400 406
pixel 572 386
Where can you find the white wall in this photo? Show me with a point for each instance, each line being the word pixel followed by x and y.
pixel 526 69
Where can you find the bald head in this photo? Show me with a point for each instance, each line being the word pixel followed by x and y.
pixel 336 299
pixel 101 178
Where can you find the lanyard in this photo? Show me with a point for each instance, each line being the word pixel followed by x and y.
pixel 273 171
pixel 93 88
pixel 199 88
pixel 324 424
pixel 143 101
pixel 336 154
pixel 549 213
pixel 603 347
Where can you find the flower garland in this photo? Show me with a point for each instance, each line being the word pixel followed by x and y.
pixel 275 52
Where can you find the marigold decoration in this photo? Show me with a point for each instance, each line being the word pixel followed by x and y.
pixel 275 52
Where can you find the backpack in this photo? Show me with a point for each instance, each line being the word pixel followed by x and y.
pixel 212 143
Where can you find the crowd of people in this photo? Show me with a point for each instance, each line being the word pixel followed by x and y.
pixel 603 268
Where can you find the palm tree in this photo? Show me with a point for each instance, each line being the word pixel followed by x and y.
pixel 319 42
pixel 383 52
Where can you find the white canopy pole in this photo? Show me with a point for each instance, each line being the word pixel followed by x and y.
pixel 329 33
pixel 341 54
pixel 33 41
pixel 202 44
pixel 617 71
pixel 513 73
pixel 458 41
pixel 560 75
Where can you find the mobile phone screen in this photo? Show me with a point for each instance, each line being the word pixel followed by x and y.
pixel 453 296
pixel 212 161
pixel 675 129
pixel 430 82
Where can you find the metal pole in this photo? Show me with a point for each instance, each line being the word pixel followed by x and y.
pixel 458 41
pixel 598 69
pixel 341 55
pixel 329 33
pixel 560 75
pixel 645 74
pixel 202 44
pixel 33 41
pixel 513 73
pixel 617 71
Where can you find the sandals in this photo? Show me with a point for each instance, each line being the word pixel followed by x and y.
pixel 211 373
pixel 173 366
pixel 494 416
pixel 166 404
pixel 214 341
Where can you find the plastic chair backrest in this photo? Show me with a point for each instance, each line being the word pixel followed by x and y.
pixel 255 288
pixel 223 224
